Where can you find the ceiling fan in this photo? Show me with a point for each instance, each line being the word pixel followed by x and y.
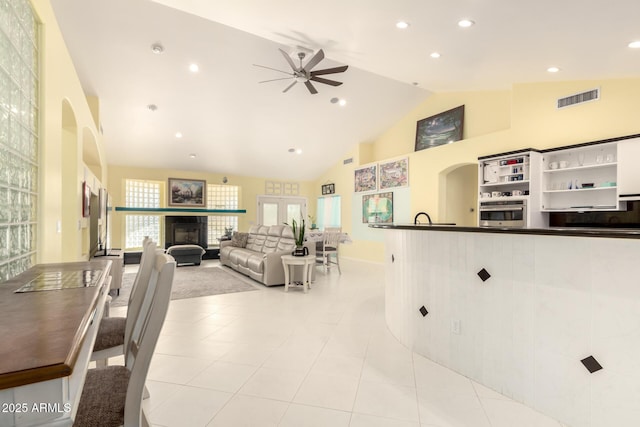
pixel 305 74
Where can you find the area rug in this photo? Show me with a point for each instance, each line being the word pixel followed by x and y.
pixel 191 282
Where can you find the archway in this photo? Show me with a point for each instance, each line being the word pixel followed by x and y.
pixel 458 189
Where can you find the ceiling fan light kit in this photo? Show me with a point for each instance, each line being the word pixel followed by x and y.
pixel 305 74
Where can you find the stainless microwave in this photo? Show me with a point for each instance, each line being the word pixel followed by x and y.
pixel 503 213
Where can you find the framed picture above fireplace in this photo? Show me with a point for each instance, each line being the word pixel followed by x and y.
pixel 187 192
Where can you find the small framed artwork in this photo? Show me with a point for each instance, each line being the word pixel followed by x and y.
pixel 377 208
pixel 86 199
pixel 187 192
pixel 394 174
pixel 365 179
pixel 328 189
pixel 443 128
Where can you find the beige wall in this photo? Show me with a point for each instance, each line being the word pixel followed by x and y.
pixel 250 188
pixel 62 234
pixel 495 122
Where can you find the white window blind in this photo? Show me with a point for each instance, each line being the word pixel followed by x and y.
pixel 328 212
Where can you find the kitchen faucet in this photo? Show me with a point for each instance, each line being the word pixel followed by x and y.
pixel 415 220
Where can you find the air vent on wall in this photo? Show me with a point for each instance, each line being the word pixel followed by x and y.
pixel 347 161
pixel 578 98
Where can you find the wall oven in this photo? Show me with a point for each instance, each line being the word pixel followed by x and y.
pixel 503 213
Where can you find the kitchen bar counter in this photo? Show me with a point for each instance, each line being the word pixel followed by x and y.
pixel 519 310
pixel 624 233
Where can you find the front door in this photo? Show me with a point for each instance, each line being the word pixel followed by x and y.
pixel 279 210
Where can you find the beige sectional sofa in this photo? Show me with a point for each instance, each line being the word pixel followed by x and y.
pixel 261 259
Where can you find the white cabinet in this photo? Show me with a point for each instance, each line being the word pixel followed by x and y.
pixel 581 178
pixel 628 170
pixel 511 177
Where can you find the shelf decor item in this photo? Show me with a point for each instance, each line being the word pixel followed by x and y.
pixel 443 128
pixel 187 192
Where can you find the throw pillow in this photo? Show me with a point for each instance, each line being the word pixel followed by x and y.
pixel 239 239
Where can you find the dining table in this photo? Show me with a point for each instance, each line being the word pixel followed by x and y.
pixel 49 318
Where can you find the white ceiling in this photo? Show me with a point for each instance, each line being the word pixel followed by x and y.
pixel 237 126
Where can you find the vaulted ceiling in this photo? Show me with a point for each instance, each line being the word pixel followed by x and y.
pixel 230 123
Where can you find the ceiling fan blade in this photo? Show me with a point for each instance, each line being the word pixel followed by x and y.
pixel 274 69
pixel 273 80
pixel 310 87
pixel 290 86
pixel 326 81
pixel 289 60
pixel 330 70
pixel 319 56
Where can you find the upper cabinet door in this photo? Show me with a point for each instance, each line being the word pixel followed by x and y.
pixel 628 169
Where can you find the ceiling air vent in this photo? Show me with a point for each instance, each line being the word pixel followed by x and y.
pixel 578 98
pixel 347 161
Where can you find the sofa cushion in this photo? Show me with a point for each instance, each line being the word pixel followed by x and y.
pixel 239 240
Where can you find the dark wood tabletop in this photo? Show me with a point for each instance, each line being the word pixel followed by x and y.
pixel 41 332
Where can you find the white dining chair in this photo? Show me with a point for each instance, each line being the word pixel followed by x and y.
pixel 113 332
pixel 330 248
pixel 112 395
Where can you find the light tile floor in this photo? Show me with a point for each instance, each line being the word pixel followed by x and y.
pixel 326 358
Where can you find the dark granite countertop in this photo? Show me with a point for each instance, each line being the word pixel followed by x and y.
pixel 624 233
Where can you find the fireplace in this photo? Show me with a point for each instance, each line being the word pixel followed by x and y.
pixel 186 230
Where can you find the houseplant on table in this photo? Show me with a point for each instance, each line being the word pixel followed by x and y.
pixel 298 235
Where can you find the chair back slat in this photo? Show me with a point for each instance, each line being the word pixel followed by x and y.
pixel 139 288
pixel 331 239
pixel 146 332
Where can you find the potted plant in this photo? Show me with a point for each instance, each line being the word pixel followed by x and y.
pixel 312 220
pixel 298 235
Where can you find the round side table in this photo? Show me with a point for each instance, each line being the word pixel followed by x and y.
pixel 289 262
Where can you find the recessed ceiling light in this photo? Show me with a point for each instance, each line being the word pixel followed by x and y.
pixel 298 151
pixel 194 68
pixel 157 48
pixel 635 45
pixel 178 135
pixel 403 25
pixel 192 155
pixel 152 107
pixel 553 69
pixel 435 55
pixel 342 102
pixel 465 23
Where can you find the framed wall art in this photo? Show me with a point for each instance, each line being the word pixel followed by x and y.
pixel 365 179
pixel 394 174
pixel 328 189
pixel 187 192
pixel 377 208
pixel 440 129
pixel 86 199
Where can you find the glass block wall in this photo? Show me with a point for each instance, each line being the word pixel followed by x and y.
pixel 221 197
pixel 141 194
pixel 19 119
